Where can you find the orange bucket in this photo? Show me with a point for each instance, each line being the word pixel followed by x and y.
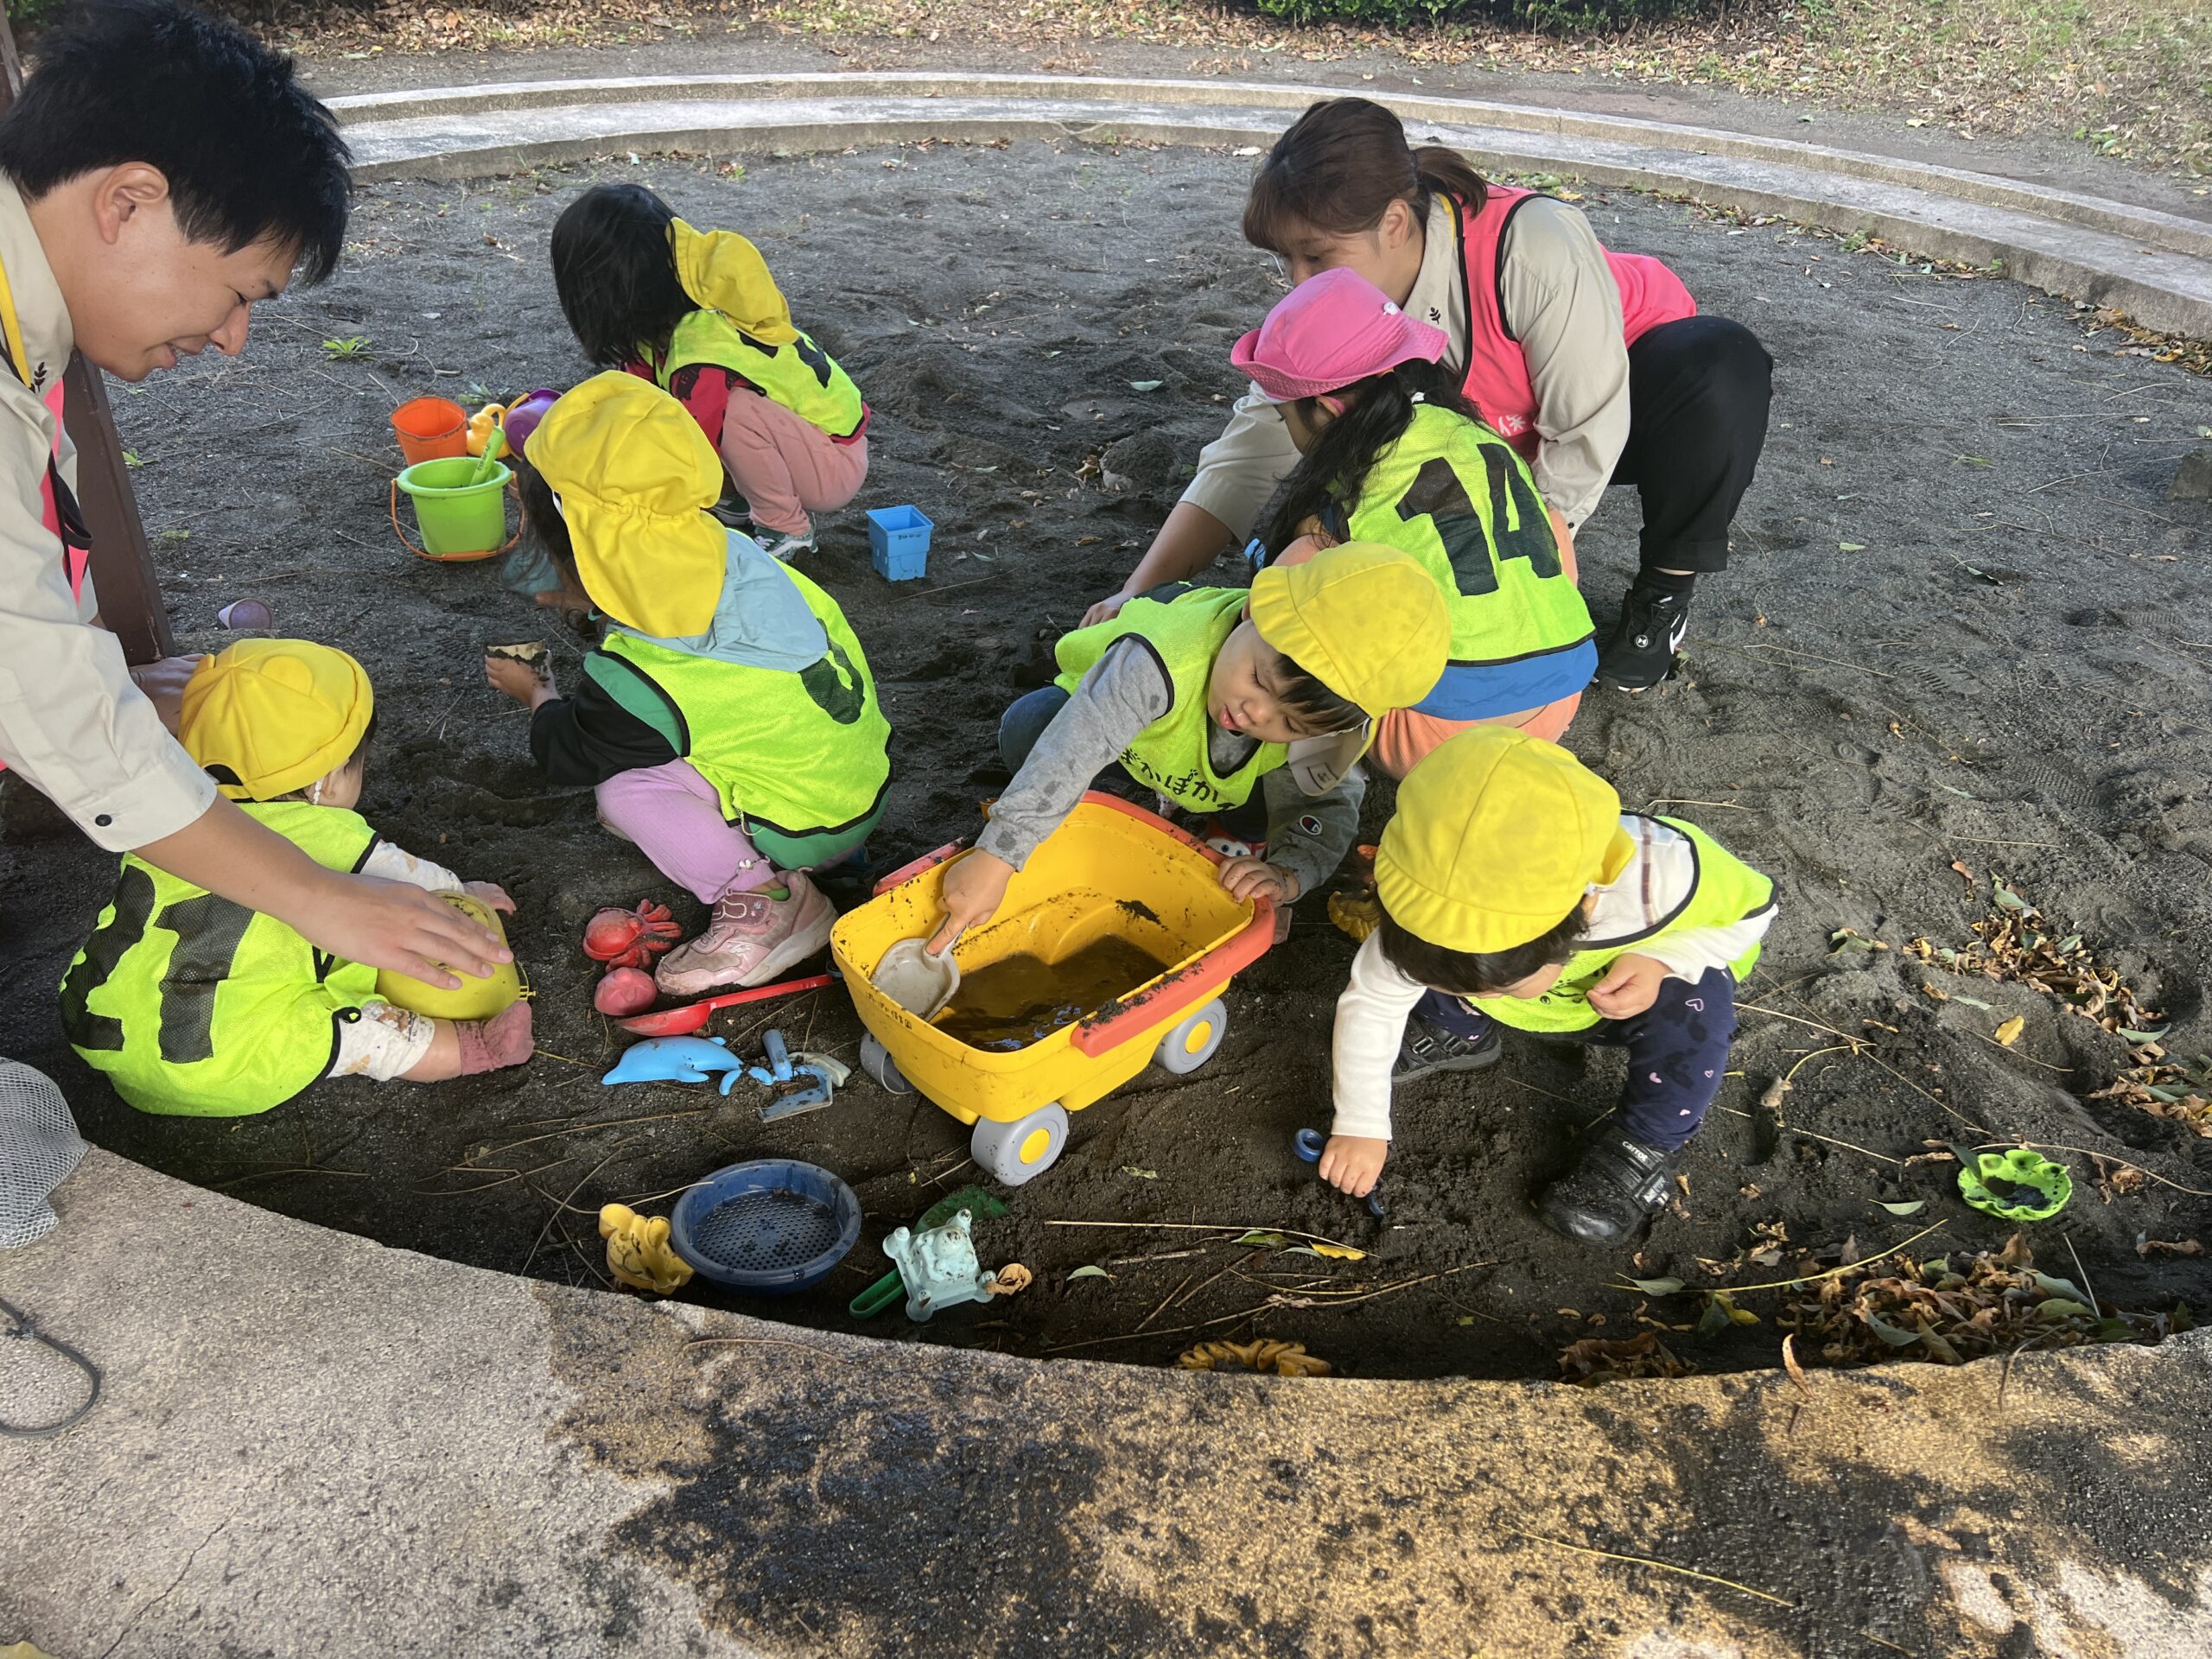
pixel 430 428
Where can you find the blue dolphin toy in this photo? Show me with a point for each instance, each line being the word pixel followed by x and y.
pixel 677 1059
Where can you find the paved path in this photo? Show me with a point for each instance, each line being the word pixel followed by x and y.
pixel 313 1445
pixel 2151 263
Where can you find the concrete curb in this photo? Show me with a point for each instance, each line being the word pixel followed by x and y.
pixel 2155 266
pixel 310 1443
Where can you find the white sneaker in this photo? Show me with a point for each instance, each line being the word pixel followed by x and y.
pixel 784 545
pixel 750 939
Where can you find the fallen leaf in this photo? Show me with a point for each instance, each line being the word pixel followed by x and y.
pixel 1909 1207
pixel 1146 385
pixel 1790 1365
pixel 1850 547
pixel 1266 1241
pixel 2009 1033
pixel 1089 1271
pixel 1965 873
pixel 1655 1286
pixel 1141 1175
pixel 2146 1246
pixel 1339 1252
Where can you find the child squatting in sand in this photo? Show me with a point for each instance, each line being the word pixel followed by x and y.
pixel 196 1005
pixel 1515 892
pixel 1207 694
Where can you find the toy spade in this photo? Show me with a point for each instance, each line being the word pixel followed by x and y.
pixel 692 1016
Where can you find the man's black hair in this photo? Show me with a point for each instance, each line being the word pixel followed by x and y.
pixel 248 155
pixel 614 269
pixel 1478 972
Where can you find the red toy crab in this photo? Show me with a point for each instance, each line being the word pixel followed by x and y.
pixel 630 939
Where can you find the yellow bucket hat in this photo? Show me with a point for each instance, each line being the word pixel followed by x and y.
pixel 634 476
pixel 722 271
pixel 269 716
pixel 1497 835
pixel 1366 620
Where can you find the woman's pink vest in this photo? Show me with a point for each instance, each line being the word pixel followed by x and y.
pixel 1498 372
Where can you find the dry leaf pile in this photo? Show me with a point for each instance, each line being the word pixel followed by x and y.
pixel 1955 1309
pixel 1608 1359
pixel 1283 1359
pixel 2016 945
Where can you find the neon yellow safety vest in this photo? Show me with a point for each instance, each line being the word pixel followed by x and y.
pixel 801 761
pixel 1184 634
pixel 1454 495
pixel 198 1006
pixel 802 377
pixel 1724 891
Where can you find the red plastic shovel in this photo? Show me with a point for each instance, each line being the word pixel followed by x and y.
pixel 675 1022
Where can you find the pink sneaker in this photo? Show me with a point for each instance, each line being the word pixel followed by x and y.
pixel 750 939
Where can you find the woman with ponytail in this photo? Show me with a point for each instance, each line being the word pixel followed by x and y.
pixel 1593 365
pixel 697 313
pixel 1393 455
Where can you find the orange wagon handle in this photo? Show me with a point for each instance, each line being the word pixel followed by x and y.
pixel 448 558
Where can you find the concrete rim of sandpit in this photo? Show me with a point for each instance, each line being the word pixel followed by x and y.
pixel 2155 267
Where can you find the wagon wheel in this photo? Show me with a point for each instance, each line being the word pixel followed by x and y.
pixel 876 1061
pixel 1023 1149
pixel 1192 1040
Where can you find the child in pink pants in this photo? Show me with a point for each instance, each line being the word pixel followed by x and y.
pixel 697 313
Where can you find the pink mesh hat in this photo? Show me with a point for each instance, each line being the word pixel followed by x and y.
pixel 1329 332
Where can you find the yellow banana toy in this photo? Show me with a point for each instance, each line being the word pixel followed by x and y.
pixel 638 1252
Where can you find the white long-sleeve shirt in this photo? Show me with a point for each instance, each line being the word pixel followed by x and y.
pixel 1657 879
pixel 1563 306
pixel 71 722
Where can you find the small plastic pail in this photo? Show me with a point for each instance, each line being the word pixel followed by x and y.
pixel 430 428
pixel 460 520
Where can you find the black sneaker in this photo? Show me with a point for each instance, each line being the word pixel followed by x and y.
pixel 1426 1048
pixel 1619 1184
pixel 1642 651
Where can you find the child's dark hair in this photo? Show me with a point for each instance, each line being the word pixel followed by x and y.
pixel 1310 701
pixel 614 269
pixel 249 156
pixel 1477 973
pixel 1340 167
pixel 541 514
pixel 1380 407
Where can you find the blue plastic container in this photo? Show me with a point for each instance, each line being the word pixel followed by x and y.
pixel 772 1226
pixel 898 542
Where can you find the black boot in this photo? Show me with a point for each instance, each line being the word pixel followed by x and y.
pixel 1426 1048
pixel 1619 1184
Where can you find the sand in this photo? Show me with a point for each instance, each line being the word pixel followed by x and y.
pixel 1958 630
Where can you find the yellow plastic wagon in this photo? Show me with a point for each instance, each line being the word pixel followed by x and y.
pixel 1111 869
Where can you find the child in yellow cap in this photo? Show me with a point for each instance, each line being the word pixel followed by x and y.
pixel 1515 892
pixel 697 313
pixel 196 1005
pixel 727 719
pixel 1206 695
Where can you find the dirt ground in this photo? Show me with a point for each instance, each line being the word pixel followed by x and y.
pixel 1964 630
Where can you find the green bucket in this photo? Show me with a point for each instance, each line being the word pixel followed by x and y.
pixel 459 519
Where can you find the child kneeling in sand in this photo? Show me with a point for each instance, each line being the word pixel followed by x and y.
pixel 1206 695
pixel 697 313
pixel 1393 453
pixel 1515 892
pixel 196 1005
pixel 728 717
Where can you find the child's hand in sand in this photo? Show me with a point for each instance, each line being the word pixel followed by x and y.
pixel 1629 987
pixel 974 886
pixel 1254 878
pixel 519 680
pixel 492 894
pixel 1352 1163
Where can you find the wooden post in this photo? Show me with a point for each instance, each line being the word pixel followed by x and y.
pixel 122 564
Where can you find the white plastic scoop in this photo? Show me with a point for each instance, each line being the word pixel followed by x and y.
pixel 916 981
